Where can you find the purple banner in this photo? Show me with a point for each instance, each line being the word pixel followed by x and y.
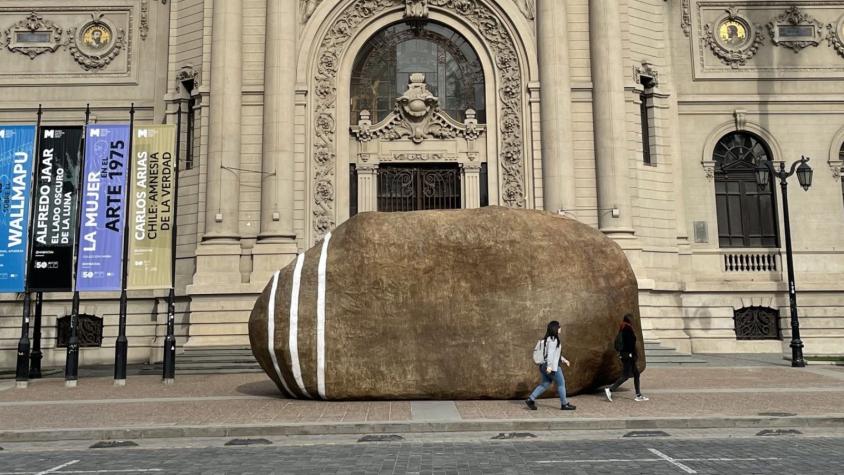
pixel 103 210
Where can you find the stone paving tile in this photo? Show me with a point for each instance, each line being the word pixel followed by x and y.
pixel 252 399
pixel 661 405
pixel 50 389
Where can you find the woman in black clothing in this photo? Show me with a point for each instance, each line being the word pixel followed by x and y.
pixel 628 359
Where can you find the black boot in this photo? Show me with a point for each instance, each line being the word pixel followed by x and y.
pixel 531 404
pixel 568 407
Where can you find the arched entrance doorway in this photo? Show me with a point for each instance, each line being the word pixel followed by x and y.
pixel 418 93
pixel 340 147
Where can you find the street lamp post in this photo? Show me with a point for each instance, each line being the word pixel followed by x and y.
pixel 764 169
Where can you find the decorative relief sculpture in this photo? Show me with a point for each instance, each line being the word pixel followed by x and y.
pixel 528 8
pixel 416 9
pixel 646 70
pixel 686 22
pixel 734 40
pixel 307 7
pixel 143 29
pixel 835 36
pixel 417 116
pixel 33 36
pixel 96 43
pixel 333 47
pixel 796 30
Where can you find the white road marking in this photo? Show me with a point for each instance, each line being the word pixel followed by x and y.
pixel 57 467
pixel 671 461
pixel 128 470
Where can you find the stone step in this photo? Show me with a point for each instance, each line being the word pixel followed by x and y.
pixel 212 360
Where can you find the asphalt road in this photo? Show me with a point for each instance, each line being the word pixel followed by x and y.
pixel 547 453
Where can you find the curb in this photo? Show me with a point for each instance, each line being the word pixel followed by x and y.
pixel 510 425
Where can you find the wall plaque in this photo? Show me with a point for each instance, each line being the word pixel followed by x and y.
pixel 796 30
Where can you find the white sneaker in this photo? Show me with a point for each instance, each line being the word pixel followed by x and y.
pixel 608 394
pixel 641 398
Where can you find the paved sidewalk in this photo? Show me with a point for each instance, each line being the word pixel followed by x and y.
pixel 249 404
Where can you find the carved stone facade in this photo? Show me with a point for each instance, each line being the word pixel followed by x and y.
pixel 555 114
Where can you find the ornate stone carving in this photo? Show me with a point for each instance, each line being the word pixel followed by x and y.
pixel 796 30
pixel 835 36
pixel 741 119
pixel 46 35
pixel 96 43
pixel 416 9
pixel 307 7
pixel 143 29
pixel 333 46
pixel 735 51
pixel 528 8
pixel 837 167
pixel 708 168
pixel 418 157
pixel 187 73
pixel 417 116
pixel 646 70
pixel 686 21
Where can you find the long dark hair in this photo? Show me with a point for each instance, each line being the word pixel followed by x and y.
pixel 551 332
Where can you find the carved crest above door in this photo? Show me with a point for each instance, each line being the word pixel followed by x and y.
pixel 417 116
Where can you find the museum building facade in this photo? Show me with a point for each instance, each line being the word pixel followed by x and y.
pixel 643 118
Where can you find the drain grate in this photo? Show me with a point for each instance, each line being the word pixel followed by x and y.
pixel 778 432
pixel 647 433
pixel 381 438
pixel 514 435
pixel 113 444
pixel 777 414
pixel 238 442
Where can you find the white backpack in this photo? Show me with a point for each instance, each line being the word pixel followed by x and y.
pixel 539 352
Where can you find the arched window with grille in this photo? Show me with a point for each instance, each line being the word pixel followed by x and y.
pixel 452 70
pixel 746 214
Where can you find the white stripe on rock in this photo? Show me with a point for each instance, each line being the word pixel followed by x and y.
pixel 323 261
pixel 271 332
pixel 294 325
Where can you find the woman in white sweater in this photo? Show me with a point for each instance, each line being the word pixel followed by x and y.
pixel 550 369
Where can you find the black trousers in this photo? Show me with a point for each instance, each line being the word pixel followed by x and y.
pixel 630 369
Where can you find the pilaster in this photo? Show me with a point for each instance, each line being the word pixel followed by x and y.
pixel 556 108
pixel 615 216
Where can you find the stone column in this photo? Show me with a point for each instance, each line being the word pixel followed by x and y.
pixel 218 256
pixel 471 185
pixel 277 239
pixel 608 111
pixel 555 108
pixel 367 188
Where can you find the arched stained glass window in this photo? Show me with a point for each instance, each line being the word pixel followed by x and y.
pixel 451 67
pixel 746 213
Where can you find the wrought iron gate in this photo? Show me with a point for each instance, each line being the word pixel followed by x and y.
pixel 409 188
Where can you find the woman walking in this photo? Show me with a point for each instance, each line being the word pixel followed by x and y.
pixel 628 359
pixel 550 368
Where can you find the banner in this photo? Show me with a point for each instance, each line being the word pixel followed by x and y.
pixel 17 144
pixel 54 215
pixel 151 207
pixel 100 252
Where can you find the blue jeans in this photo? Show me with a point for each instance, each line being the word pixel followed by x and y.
pixel 547 379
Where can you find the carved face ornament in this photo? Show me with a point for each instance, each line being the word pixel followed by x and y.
pixel 418 101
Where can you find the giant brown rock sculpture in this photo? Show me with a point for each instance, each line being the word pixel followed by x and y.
pixel 443 305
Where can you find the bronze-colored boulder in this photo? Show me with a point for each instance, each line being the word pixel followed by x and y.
pixel 444 305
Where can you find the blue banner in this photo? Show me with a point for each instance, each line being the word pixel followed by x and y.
pixel 100 251
pixel 17 145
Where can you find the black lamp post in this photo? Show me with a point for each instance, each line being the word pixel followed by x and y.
pixel 804 176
